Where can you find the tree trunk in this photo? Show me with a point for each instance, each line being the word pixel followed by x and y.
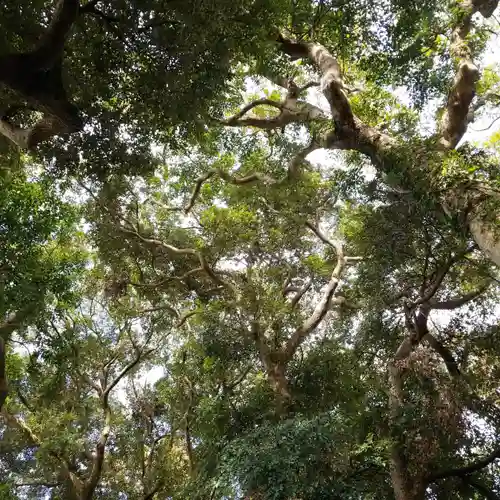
pixel 487 237
pixel 405 487
pixel 279 384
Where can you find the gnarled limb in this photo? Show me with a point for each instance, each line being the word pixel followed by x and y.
pixel 36 77
pixel 51 45
pixel 350 133
pixel 179 251
pixel 291 111
pixel 455 118
pixel 331 82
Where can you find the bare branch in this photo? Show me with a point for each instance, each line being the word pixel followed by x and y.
pixel 196 190
pixel 34 484
pixel 122 373
pixel 186 316
pixel 159 243
pixel 240 379
pixel 291 111
pixel 488 127
pixel 440 275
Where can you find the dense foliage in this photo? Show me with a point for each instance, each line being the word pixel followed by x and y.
pixel 249 250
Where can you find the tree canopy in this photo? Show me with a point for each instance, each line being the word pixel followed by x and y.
pixel 249 250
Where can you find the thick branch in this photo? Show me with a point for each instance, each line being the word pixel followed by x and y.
pixel 468 469
pixel 98 462
pixel 457 302
pixel 51 46
pixel 481 488
pixel 331 82
pixel 446 355
pixel 455 118
pixel 36 76
pixel 291 111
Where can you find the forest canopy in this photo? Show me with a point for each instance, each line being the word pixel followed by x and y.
pixel 249 249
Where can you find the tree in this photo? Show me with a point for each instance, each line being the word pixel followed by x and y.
pixel 250 322
pixel 36 273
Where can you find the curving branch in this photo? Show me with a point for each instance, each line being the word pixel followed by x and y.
pixel 234 120
pixel 232 179
pixel 300 293
pixel 468 469
pixel 441 273
pixel 323 306
pixel 291 110
pixel 332 83
pixel 204 266
pixel 457 302
pixel 185 317
pixel 445 353
pixel 455 118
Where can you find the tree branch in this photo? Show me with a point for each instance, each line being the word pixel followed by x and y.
pixel 123 372
pixel 51 46
pixel 233 120
pixel 457 302
pixel 13 421
pixel 12 323
pixel 331 82
pixel 95 474
pixel 468 469
pixel 440 275
pixel 238 181
pixel 488 494
pixel 291 111
pixel 300 293
pixel 446 355
pixel 323 305
pixel 455 118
